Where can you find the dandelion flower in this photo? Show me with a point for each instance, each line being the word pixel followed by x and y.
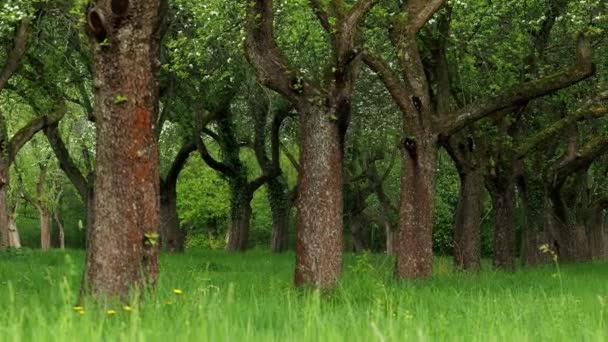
pixel 77 308
pixel 111 312
pixel 177 291
pixel 127 308
pixel 81 312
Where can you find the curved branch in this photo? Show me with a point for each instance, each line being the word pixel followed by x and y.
pixel 26 133
pixel 419 12
pixel 179 161
pixel 15 55
pixel 593 108
pixel 583 69
pixel 66 163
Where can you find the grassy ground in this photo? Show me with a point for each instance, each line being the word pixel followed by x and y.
pixel 249 297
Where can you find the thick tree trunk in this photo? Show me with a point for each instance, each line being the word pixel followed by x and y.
pixel 467 231
pixel 172 238
pixel 414 244
pixel 319 222
pixel 122 248
pixel 280 205
pixel 240 217
pixel 45 228
pixel 502 192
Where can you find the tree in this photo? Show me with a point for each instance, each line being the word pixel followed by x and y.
pixel 324 107
pixel 426 125
pixel 122 246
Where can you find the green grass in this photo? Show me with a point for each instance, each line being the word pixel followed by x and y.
pixel 249 297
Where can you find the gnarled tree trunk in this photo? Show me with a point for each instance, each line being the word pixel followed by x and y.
pixel 414 244
pixel 122 246
pixel 240 217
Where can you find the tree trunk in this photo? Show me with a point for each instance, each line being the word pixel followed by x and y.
pixel 172 238
pixel 502 192
pixel 240 217
pixel 122 248
pixel 45 227
pixel 61 231
pixel 390 239
pixel 280 204
pixel 596 235
pixel 14 241
pixel 414 245
pixel 4 216
pixel 319 221
pixel 467 231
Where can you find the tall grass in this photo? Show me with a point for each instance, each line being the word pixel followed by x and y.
pixel 249 297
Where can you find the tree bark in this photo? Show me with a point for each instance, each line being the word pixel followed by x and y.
pixel 172 238
pixel 240 216
pixel 320 202
pixel 467 231
pixel 502 192
pixel 45 227
pixel 414 244
pixel 122 247
pixel 4 217
pixel 280 204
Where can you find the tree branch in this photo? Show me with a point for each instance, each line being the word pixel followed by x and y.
pixel 66 163
pixel 15 55
pixel 583 69
pixel 26 133
pixel 179 161
pixel 419 12
pixel 593 108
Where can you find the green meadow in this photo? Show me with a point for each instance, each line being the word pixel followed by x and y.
pixel 217 296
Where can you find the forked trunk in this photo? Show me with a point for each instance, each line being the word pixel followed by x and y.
pixel 172 238
pixel 240 217
pixel 414 244
pixel 502 192
pixel 467 231
pixel 280 206
pixel 320 201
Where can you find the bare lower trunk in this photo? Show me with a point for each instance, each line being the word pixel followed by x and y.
pixel 598 245
pixel 240 217
pixel 61 231
pixel 45 228
pixel 390 239
pixel 4 216
pixel 503 202
pixel 280 206
pixel 320 201
pixel 358 228
pixel 467 231
pixel 122 246
pixel 14 241
pixel 414 245
pixel 172 238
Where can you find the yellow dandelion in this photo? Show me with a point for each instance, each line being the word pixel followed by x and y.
pixel 77 308
pixel 111 312
pixel 177 291
pixel 81 312
pixel 127 308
